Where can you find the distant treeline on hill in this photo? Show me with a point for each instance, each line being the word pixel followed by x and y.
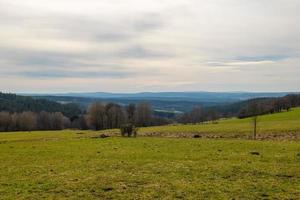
pixel 98 117
pixel 243 109
pixel 14 103
pixel 18 113
pixel 269 105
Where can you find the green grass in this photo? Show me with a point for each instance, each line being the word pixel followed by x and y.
pixel 280 125
pixel 67 165
pixel 73 164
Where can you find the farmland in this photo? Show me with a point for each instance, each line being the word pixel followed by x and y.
pixel 68 165
pixel 73 164
pixel 284 125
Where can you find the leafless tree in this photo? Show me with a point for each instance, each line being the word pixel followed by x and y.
pixel 56 121
pixel 80 123
pixel 143 114
pixel 97 116
pixel 27 121
pixel 44 121
pixel 131 113
pixel 5 121
pixel 115 115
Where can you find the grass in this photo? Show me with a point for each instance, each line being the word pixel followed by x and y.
pixel 73 164
pixel 280 125
pixel 67 165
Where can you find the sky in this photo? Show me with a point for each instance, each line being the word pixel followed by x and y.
pixel 149 45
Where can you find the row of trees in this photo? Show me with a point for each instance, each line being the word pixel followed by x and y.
pixel 269 105
pixel 253 107
pixel 198 115
pixel 101 116
pixel 98 117
pixel 28 121
pixel 16 104
pixel 112 115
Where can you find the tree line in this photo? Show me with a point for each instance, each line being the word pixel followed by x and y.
pixel 269 105
pixel 198 115
pixel 107 116
pixel 249 108
pixel 99 116
pixel 29 121
pixel 13 103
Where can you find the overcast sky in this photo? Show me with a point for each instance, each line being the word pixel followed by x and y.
pixel 149 45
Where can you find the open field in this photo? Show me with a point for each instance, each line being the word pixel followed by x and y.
pixel 67 165
pixel 285 125
pixel 74 164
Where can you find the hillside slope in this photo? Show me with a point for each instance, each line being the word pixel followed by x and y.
pixel 279 125
pixel 17 103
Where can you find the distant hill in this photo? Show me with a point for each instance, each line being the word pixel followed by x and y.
pixel 17 103
pixel 216 97
pixel 169 101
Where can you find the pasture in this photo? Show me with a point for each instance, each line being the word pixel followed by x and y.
pixel 284 125
pixel 77 165
pixel 73 164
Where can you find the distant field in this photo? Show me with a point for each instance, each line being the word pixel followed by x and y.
pixel 285 125
pixel 68 165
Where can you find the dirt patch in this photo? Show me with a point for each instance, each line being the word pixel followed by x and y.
pixel 262 136
pixel 100 136
pixel 279 136
pixel 107 189
pixel 284 176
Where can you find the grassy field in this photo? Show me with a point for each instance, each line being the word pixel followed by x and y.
pixel 68 165
pixel 74 164
pixel 285 125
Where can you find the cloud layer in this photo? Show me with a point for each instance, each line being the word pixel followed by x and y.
pixel 149 45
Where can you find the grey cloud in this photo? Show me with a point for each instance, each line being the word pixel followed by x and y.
pixel 150 21
pixel 23 57
pixel 209 38
pixel 74 74
pixel 262 58
pixel 138 51
pixel 123 29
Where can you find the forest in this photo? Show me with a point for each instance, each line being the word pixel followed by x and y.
pixel 19 113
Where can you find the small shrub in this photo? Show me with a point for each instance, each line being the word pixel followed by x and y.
pixel 128 130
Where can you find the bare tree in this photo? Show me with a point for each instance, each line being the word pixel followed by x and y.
pixel 80 123
pixel 56 121
pixel 43 121
pixel 115 115
pixel 131 113
pixel 66 122
pixel 197 115
pixel 143 114
pixel 97 116
pixel 5 121
pixel 212 115
pixel 27 121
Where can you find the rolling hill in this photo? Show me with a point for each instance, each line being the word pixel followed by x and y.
pixel 279 125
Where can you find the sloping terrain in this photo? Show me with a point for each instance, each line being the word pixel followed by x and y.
pixel 284 125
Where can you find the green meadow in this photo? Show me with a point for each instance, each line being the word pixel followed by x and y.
pixel 284 125
pixel 68 166
pixel 74 164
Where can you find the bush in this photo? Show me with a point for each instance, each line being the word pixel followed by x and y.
pixel 128 130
